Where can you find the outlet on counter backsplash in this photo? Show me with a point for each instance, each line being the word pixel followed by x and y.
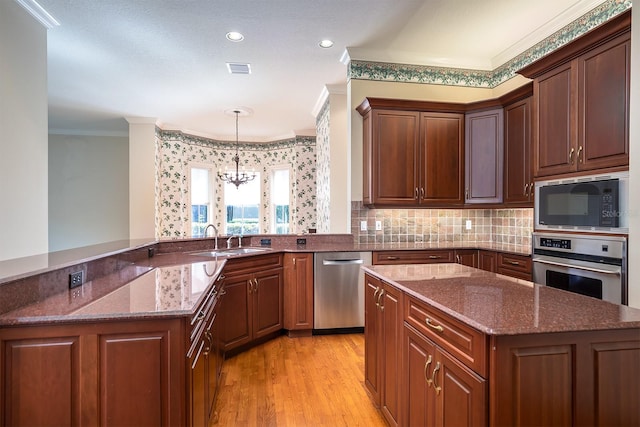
pixel 513 226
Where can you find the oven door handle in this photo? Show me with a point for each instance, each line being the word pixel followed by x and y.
pixel 579 267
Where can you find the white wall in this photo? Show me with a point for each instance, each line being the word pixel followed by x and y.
pixel 634 166
pixel 88 190
pixel 23 142
pixel 142 178
pixel 340 153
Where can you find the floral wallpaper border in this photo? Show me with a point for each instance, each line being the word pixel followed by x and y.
pixel 383 71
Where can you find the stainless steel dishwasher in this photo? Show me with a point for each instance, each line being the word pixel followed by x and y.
pixel 338 290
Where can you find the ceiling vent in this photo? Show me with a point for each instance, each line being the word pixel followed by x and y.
pixel 238 68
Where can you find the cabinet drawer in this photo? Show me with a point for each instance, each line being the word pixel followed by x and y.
pixel 514 265
pixel 255 262
pixel 462 341
pixel 413 257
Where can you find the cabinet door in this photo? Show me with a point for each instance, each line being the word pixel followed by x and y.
pixel 603 136
pixel 461 395
pixel 518 185
pixel 298 293
pixel 487 261
pixel 395 163
pixel 372 337
pixel 235 312
pixel 441 159
pixel 555 124
pixel 419 400
pixel 198 371
pixel 391 312
pixel 36 394
pixel 267 303
pixel 468 257
pixel 484 156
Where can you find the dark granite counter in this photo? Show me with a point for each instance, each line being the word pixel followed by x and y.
pixel 501 305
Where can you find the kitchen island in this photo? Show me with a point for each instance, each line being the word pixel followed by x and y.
pixel 477 348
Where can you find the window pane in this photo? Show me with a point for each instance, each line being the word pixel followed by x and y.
pixel 242 207
pixel 200 200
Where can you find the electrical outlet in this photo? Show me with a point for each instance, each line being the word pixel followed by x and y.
pixel 418 238
pixel 363 225
pixel 301 241
pixel 468 224
pixel 378 225
pixel 76 279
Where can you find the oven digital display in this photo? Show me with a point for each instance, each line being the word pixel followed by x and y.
pixel 555 243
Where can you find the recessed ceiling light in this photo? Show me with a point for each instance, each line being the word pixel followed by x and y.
pixel 325 43
pixel 234 36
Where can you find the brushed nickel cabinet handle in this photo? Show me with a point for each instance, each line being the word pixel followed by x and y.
pixel 580 154
pixel 422 192
pixel 571 155
pixel 433 378
pixel 458 259
pixel 380 301
pixel 375 296
pixel 392 257
pixel 434 257
pixel 416 196
pixel 426 368
pixel 438 328
pixel 466 193
pixel 514 263
pixel 526 187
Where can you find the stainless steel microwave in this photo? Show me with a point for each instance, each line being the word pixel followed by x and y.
pixel 588 203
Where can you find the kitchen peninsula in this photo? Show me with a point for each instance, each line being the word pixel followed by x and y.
pixel 147 320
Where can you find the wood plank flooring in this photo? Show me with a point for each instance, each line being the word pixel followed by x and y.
pixel 295 382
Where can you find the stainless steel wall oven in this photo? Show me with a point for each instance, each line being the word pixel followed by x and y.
pixel 592 265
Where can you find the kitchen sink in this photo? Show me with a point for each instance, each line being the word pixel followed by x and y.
pixel 230 252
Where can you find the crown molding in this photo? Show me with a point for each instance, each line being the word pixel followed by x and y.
pixel 39 13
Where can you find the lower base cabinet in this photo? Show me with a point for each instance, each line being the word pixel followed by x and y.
pixel 108 374
pixel 439 390
pixel 383 317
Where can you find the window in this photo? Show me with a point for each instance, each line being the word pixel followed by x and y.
pixel 242 208
pixel 280 201
pixel 201 200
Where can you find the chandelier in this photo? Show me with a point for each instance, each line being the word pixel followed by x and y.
pixel 239 177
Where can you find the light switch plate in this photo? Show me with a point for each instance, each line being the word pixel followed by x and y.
pixel 378 225
pixel 363 225
pixel 468 224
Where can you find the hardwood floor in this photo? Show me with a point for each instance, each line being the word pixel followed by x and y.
pixel 292 382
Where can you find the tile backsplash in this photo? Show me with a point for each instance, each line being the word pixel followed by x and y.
pixel 512 226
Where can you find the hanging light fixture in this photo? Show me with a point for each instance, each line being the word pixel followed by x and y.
pixel 239 177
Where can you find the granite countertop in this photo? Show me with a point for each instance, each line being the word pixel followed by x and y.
pixel 136 291
pixel 501 305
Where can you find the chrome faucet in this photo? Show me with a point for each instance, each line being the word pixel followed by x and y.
pixel 215 235
pixel 239 241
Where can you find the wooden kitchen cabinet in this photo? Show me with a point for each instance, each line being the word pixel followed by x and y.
pixel 487 260
pixel 468 257
pixel 383 322
pixel 518 266
pixel 576 378
pixel 412 157
pixel 107 373
pixel 426 256
pixel 298 293
pixel 439 390
pixel 518 169
pixel 484 141
pixel 254 295
pixel 581 92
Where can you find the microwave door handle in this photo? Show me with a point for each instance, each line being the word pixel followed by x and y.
pixel 579 267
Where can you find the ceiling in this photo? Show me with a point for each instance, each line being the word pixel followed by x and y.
pixel 166 59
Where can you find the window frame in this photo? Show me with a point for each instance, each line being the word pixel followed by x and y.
pixel 212 194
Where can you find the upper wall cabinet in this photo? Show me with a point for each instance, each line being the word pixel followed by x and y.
pixel 581 102
pixel 484 158
pixel 518 179
pixel 412 156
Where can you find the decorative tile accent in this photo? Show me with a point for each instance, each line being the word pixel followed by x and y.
pixel 382 71
pixel 175 152
pixel 512 226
